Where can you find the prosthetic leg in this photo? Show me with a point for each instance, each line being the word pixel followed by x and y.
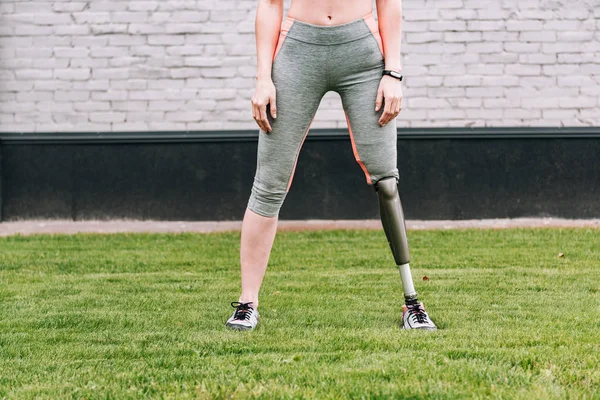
pixel 414 315
pixel 392 218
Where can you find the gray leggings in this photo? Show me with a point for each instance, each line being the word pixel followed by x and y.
pixel 309 61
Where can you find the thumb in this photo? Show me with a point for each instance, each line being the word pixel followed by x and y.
pixel 379 99
pixel 273 107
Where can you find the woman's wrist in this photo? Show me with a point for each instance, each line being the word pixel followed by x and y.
pixel 261 76
pixel 393 65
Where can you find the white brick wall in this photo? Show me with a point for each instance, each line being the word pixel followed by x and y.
pixel 105 65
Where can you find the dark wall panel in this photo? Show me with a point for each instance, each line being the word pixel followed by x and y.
pixel 329 184
pixel 37 181
pixel 478 178
pixel 167 181
pixel 1 205
pixel 444 174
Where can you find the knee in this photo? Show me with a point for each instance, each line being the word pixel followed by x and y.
pixel 265 201
pixel 382 173
pixel 387 187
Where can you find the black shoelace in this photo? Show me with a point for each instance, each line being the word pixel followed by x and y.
pixel 418 313
pixel 242 310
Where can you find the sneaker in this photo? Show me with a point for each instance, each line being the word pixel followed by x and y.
pixel 244 318
pixel 415 317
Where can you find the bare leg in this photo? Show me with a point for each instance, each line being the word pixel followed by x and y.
pixel 258 234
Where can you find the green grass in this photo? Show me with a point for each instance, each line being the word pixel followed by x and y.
pixel 142 315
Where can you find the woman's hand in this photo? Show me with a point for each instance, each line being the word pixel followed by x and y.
pixel 264 94
pixel 390 89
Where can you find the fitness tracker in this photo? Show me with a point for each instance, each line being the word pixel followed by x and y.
pixel 393 74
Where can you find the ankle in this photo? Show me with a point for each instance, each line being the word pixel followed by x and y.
pixel 411 300
pixel 252 300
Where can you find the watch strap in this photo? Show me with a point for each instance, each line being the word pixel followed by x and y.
pixel 392 73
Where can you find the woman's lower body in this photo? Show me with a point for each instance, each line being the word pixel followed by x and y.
pixel 309 61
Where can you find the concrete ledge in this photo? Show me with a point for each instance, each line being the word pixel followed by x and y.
pixel 29 227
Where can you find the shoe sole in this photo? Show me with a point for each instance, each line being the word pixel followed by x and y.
pixel 422 329
pixel 236 327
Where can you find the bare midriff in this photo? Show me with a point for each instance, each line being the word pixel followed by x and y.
pixel 329 12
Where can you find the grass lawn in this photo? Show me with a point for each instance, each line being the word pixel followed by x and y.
pixel 142 315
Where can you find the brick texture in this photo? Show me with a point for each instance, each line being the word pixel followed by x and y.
pixel 73 65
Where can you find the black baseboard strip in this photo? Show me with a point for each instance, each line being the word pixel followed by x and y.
pixel 315 134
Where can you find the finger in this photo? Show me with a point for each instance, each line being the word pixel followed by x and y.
pixel 263 117
pixel 382 119
pixel 379 99
pixel 398 109
pixel 387 111
pixel 384 113
pixel 385 118
pixel 259 120
pixel 254 112
pixel 390 105
pixel 255 115
pixel 398 106
pixel 395 108
pixel 273 107
pixel 260 125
